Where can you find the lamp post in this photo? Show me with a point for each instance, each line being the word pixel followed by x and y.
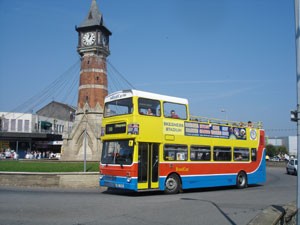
pixel 297 33
pixel 85 135
pixel 69 120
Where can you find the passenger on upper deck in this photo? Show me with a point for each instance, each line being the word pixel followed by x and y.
pixel 250 124
pixel 173 114
pixel 149 112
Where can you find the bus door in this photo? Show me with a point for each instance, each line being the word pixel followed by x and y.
pixel 148 165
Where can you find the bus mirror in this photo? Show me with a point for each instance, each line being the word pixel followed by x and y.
pixel 130 143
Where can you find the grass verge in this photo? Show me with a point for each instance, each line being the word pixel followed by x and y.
pixel 46 166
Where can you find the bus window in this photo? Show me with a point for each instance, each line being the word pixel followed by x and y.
pixel 222 153
pixel 200 153
pixel 241 154
pixel 175 152
pixel 117 152
pixel 118 107
pixel 175 110
pixel 253 154
pixel 149 107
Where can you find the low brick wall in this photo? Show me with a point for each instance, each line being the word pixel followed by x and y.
pixel 59 180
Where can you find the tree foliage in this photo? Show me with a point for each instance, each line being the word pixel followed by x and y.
pixel 276 150
pixel 270 150
pixel 282 150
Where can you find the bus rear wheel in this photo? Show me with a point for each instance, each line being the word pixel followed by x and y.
pixel 172 185
pixel 241 180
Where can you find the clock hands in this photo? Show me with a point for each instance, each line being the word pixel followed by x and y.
pixel 90 37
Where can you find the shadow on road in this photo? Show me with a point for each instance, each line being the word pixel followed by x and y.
pixel 121 192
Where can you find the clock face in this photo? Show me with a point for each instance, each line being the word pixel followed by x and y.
pixel 88 38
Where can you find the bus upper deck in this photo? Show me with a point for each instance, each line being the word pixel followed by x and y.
pixel 129 106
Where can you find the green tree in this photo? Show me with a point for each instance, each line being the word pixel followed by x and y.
pixel 282 150
pixel 271 150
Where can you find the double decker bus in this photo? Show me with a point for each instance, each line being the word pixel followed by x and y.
pixel 151 142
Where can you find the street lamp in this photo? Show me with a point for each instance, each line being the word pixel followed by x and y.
pixel 295 114
pixel 85 134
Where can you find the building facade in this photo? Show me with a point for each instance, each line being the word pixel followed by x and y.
pixel 42 132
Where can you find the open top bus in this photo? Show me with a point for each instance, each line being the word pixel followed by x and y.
pixel 151 142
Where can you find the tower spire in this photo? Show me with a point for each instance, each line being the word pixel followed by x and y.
pixel 94 17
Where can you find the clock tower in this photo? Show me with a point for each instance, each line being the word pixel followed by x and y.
pixel 93 48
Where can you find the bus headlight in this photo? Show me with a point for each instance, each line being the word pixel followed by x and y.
pixel 100 176
pixel 129 179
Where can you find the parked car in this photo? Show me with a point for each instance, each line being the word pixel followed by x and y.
pixel 292 167
pixel 275 159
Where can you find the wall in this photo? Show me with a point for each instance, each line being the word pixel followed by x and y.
pixel 58 180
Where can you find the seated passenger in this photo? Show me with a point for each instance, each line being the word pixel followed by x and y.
pixel 239 157
pixel 149 112
pixel 174 115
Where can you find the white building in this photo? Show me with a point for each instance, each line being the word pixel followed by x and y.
pixel 31 123
pixel 290 142
pixel 42 132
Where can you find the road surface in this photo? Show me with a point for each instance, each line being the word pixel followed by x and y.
pixel 94 206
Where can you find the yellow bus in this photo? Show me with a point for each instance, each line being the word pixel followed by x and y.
pixel 151 142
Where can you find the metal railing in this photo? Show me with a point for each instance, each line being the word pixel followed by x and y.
pixel 202 119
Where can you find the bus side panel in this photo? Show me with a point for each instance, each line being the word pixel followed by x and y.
pixel 203 181
pixel 211 173
pixel 259 176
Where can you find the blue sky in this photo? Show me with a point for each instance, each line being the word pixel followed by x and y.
pixel 235 55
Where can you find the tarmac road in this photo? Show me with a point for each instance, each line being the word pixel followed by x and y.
pixel 94 206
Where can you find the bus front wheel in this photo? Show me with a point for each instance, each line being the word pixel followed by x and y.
pixel 241 180
pixel 172 185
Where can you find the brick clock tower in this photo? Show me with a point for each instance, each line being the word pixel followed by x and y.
pixel 93 47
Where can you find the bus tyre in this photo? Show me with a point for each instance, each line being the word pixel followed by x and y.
pixel 172 185
pixel 241 180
